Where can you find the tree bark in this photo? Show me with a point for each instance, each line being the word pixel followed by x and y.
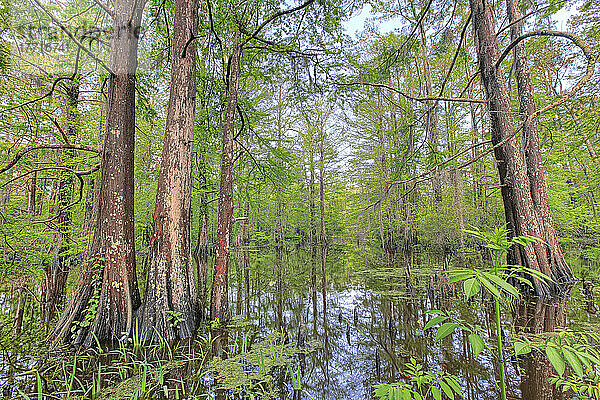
pixel 170 309
pixel 516 192
pixel 219 304
pixel 246 244
pixel 533 158
pixel 103 305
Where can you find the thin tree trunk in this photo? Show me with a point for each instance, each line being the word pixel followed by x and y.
pixel 200 253
pixel 55 274
pixel 170 307
pixel 246 244
pixel 103 305
pixel 322 208
pixel 431 123
pixel 31 193
pixel 219 304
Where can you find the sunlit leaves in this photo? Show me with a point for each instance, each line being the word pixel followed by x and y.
pixel 422 385
pixel 556 359
pixel 476 343
pixel 445 330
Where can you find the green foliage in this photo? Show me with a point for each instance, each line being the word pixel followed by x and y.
pixel 252 369
pixel 423 385
pixel 573 355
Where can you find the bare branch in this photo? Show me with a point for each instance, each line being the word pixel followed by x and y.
pixel 56 81
pixel 462 37
pixel 419 99
pixel 274 17
pixel 587 51
pixel 26 150
pixel 72 37
pixel 105 8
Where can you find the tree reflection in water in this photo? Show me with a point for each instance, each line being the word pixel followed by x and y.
pixel 538 317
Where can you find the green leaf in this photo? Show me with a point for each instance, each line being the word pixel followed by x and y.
pixel 447 390
pixel 381 390
pixel 445 330
pixel 590 357
pixel 490 286
pixel 437 395
pixel 573 361
pixel 477 343
pixel 536 274
pixel 556 359
pixel 435 321
pixel 450 380
pixel 460 274
pixel 522 348
pixel 523 280
pixel 507 287
pixel 472 287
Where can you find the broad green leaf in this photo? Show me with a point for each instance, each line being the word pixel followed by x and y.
pixel 472 287
pixel 573 361
pixel 490 286
pixel 556 359
pixel 394 393
pixel 477 343
pixel 584 360
pixel 437 395
pixel 522 348
pixel 460 275
pixel 507 287
pixel 445 330
pixel 590 357
pixel 447 390
pixel 435 321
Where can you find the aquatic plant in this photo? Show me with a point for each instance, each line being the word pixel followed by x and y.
pixel 565 347
pixel 421 385
pixel 496 280
pixel 252 370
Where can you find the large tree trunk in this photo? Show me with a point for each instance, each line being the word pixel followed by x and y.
pixel 170 307
pixel 219 305
pixel 103 305
pixel 519 207
pixel 55 274
pixel 533 157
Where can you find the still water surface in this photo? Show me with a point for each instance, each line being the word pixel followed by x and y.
pixel 367 320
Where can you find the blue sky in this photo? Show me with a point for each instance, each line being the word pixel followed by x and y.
pixel 357 23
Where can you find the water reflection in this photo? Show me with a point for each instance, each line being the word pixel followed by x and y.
pixel 361 320
pixel 539 317
pixel 368 320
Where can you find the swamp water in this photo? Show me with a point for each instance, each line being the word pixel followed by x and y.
pixel 338 339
